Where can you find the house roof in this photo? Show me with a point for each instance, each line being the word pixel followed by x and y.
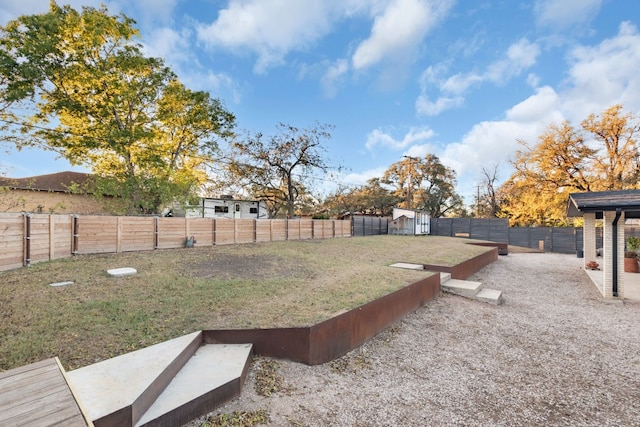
pixel 626 200
pixel 56 182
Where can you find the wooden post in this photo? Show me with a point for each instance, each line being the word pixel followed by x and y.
pixel 156 239
pixel 27 240
pixel 74 236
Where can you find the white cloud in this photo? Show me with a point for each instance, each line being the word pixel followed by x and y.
pixel 518 57
pixel 333 76
pixel 379 138
pixel 603 75
pixel 169 44
pixel 562 14
pixel 269 28
pixel 425 107
pixel 494 142
pixel 399 30
pixel 539 107
pixel 361 178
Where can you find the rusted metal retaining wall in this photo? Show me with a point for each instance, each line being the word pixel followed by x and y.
pixel 468 267
pixel 337 336
pixel 29 238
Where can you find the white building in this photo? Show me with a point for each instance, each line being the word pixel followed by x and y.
pixel 409 221
pixel 227 207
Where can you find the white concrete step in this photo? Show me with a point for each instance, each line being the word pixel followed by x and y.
pixel 492 296
pixel 212 376
pixel 470 289
pixel 124 387
pixel 466 288
pixel 407 266
pixel 166 384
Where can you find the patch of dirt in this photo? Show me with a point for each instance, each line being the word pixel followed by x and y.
pixel 227 266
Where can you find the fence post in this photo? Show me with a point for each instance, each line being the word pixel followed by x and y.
pixel 74 236
pixel 27 240
pixel 156 239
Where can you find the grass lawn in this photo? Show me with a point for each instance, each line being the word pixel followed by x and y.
pixel 275 284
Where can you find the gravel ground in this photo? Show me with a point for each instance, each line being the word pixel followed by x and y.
pixel 555 353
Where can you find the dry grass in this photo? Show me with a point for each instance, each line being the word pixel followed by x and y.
pixel 178 291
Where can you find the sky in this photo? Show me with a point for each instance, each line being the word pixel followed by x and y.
pixel 461 79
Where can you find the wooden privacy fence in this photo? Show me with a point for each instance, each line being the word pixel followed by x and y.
pixel 31 238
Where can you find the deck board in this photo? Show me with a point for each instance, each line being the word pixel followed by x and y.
pixel 38 394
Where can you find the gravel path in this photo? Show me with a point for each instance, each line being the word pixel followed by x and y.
pixel 554 354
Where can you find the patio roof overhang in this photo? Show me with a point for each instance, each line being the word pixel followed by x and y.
pixel 627 201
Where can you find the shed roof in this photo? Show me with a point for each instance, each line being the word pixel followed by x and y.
pixel 626 200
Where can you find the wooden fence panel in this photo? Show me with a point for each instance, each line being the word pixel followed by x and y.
pixel 263 230
pixel 12 242
pixel 52 235
pixel 97 234
pixel 345 227
pixel 225 232
pixel 293 229
pixel 172 233
pixel 318 228
pixel 306 229
pixel 39 238
pixel 136 234
pixel 329 229
pixel 201 229
pixel 278 229
pixel 61 227
pixel 245 230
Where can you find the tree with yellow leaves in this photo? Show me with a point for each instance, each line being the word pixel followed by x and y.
pixel 603 155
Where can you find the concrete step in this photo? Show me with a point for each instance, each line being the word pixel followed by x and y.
pixel 407 266
pixel 444 277
pixel 492 296
pixel 466 288
pixel 212 376
pixel 120 390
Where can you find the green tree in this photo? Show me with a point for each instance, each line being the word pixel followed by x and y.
pixel 424 184
pixel 277 168
pixel 370 199
pixel 97 100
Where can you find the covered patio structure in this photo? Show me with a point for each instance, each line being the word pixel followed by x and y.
pixel 613 208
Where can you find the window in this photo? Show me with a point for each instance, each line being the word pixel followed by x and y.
pixel 221 209
pixel 253 210
pixel 237 207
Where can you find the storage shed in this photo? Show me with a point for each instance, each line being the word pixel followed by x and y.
pixel 409 222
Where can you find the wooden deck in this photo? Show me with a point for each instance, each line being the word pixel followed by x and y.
pixel 38 395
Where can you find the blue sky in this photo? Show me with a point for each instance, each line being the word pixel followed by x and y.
pixel 463 80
